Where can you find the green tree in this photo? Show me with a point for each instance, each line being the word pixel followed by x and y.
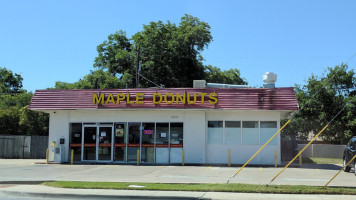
pixel 231 76
pixel 169 54
pixel 17 100
pixel 98 79
pixel 334 91
pixel 115 54
pixel 15 118
pixel 32 122
pixel 9 118
pixel 9 82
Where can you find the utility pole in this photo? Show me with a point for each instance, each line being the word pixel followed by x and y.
pixel 137 67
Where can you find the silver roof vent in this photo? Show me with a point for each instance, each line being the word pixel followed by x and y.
pixel 204 84
pixel 222 85
pixel 269 80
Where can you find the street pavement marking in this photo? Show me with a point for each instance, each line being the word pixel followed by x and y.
pixel 208 168
pixel 318 170
pixel 260 168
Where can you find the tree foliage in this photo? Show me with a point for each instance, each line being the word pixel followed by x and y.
pixel 9 82
pixel 32 122
pixel 15 118
pixel 115 54
pixel 17 100
pixel 231 76
pixel 169 54
pixel 323 98
pixel 98 79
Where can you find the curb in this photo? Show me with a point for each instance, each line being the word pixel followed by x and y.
pixel 24 182
pixel 94 196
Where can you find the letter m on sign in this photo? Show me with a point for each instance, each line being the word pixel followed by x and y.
pixel 98 100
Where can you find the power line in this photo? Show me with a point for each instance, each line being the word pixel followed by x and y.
pixel 294 114
pixel 300 152
pixel 161 86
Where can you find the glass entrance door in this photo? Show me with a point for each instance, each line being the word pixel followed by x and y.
pixel 104 140
pixel 97 143
pixel 89 143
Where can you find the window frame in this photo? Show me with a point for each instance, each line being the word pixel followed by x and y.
pixel 241 131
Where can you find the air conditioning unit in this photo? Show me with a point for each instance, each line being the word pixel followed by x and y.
pixel 199 84
pixel 58 154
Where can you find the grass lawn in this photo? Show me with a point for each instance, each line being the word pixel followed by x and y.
pixel 322 160
pixel 243 188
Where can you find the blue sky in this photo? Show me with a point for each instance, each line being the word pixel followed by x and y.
pixel 47 41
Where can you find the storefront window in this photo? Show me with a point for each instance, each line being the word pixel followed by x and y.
pixel 176 142
pixel 268 129
pixel 162 138
pixel 147 149
pixel 250 133
pixel 120 141
pixel 160 142
pixel 133 141
pixel 215 132
pixel 232 132
pixel 176 134
pixel 76 140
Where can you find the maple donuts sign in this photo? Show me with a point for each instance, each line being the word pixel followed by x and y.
pixel 157 98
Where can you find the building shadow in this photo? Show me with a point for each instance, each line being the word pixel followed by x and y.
pixel 309 164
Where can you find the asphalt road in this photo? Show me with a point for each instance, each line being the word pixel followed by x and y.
pixel 27 170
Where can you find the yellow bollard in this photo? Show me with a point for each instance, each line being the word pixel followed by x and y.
pixel 275 158
pixel 138 157
pixel 182 157
pixel 71 157
pixel 47 154
pixel 229 158
pixel 300 160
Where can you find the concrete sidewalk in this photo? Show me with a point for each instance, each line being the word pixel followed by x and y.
pixel 13 172
pixel 27 170
pixel 45 192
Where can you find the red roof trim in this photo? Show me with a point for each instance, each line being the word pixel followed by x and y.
pixel 228 98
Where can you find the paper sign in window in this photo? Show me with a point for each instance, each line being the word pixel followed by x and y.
pixel 119 132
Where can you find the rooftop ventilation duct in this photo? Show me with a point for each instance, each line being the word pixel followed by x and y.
pixel 269 80
pixel 221 85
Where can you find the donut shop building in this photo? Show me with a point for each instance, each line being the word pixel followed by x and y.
pixel 109 126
